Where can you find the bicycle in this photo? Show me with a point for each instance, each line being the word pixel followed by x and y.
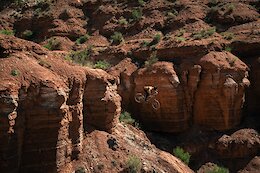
pixel 140 98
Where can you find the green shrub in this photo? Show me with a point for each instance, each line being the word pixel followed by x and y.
pixel 81 57
pixel 134 164
pixel 19 2
pixel 204 33
pixel 122 21
pixel 218 169
pixel 230 8
pixel 180 32
pixel 14 72
pixel 151 60
pixel 137 14
pixel 181 154
pixel 228 35
pixel 102 64
pixel 117 38
pixel 27 34
pixel 7 32
pixel 145 43
pixel 141 2
pixel 52 44
pixel 156 39
pixel 80 170
pixel 126 118
pixel 82 39
pixel 228 49
pixel 180 39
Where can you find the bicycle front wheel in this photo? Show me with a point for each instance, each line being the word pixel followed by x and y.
pixel 139 97
pixel 156 104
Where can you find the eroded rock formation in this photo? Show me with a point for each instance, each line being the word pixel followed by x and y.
pixel 210 92
pixel 172 114
pixel 44 104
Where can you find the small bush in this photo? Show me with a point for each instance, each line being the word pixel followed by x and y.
pixel 204 33
pixel 180 39
pixel 141 2
pixel 14 72
pixel 134 164
pixel 180 32
pixel 7 32
pixel 102 64
pixel 156 39
pixel 151 60
pixel 181 154
pixel 137 14
pixel 117 38
pixel 81 57
pixel 228 35
pixel 126 118
pixel 19 2
pixel 80 170
pixel 218 169
pixel 122 21
pixel 230 8
pixel 27 34
pixel 52 44
pixel 145 43
pixel 228 49
pixel 82 39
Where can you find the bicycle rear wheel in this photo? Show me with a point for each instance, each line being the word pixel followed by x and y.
pixel 139 97
pixel 156 104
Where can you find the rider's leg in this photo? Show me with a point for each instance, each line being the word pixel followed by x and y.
pixel 146 95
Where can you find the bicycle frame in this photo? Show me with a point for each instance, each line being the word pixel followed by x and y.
pixel 151 96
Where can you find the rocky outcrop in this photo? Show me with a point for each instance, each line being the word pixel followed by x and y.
pixel 209 92
pixel 237 149
pixel 110 152
pixel 253 166
pixel 123 72
pixel 246 37
pixel 44 104
pixel 220 96
pixel 227 13
pixel 241 144
pixel 172 115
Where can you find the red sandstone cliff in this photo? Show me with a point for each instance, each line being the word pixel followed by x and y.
pixel 56 116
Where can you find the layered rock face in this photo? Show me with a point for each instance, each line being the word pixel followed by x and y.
pixel 241 144
pixel 220 95
pixel 44 102
pixel 172 115
pixel 238 148
pixel 209 92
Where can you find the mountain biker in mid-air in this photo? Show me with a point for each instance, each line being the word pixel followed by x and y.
pixel 149 91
